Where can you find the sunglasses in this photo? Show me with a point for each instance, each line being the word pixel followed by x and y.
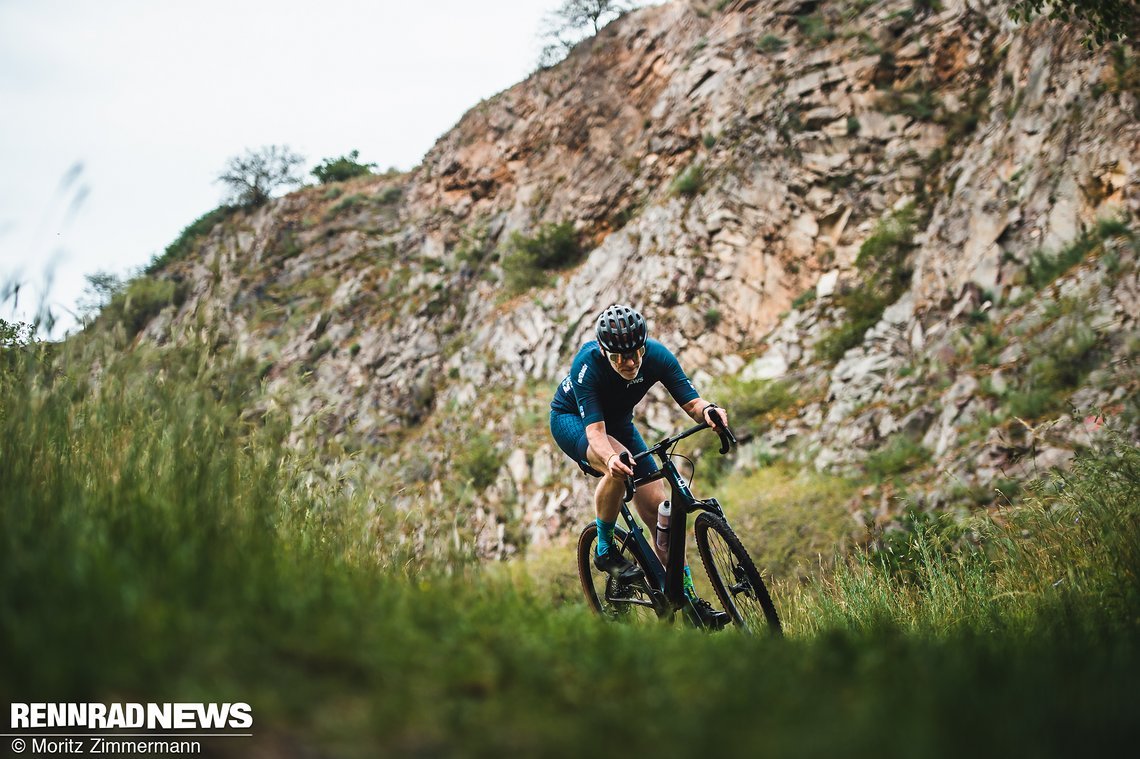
pixel 617 358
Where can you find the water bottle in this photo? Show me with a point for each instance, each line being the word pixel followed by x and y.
pixel 663 512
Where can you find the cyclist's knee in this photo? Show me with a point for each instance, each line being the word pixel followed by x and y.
pixel 651 493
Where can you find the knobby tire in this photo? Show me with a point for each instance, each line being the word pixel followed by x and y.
pixel 591 578
pixel 734 577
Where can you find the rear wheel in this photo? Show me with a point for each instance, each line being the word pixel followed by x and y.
pixel 612 599
pixel 734 577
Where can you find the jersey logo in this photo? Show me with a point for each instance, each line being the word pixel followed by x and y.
pixel 582 374
pixel 633 382
pixel 566 385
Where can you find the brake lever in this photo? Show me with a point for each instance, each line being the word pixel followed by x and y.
pixel 629 487
pixel 727 439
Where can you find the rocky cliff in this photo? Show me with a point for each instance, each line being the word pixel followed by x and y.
pixel 897 236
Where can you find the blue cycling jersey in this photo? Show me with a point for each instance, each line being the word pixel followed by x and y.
pixel 597 393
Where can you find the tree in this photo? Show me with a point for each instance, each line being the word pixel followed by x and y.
pixel 253 177
pixel 102 287
pixel 16 334
pixel 1108 20
pixel 340 169
pixel 572 22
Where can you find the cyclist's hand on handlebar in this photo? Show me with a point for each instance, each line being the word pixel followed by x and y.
pixel 618 468
pixel 716 417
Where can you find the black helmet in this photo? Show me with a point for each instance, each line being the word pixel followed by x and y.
pixel 621 329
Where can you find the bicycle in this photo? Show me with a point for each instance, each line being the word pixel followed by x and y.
pixel 660 593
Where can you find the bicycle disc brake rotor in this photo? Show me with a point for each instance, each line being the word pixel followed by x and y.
pixel 742 585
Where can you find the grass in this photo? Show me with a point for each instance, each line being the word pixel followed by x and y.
pixel 156 546
pixel 1067 560
pixel 790 517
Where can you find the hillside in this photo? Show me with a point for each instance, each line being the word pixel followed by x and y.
pixel 899 241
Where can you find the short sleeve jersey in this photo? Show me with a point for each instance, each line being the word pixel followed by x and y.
pixel 597 393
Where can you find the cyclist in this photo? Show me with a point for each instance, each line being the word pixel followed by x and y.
pixel 591 419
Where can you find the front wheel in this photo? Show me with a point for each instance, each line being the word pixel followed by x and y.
pixel 734 576
pixel 612 599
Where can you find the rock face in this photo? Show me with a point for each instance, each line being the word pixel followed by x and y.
pixel 722 170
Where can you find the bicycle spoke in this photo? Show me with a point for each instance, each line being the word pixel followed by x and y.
pixel 742 594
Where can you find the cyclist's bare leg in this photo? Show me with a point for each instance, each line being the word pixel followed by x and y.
pixel 610 490
pixel 608 495
pixel 647 499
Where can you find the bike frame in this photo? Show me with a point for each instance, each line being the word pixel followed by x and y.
pixel 667 582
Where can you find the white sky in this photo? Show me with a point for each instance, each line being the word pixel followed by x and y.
pixel 117 116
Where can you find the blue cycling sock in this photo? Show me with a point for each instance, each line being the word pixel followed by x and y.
pixel 605 535
pixel 687 583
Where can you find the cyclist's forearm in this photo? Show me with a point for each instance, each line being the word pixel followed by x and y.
pixel 696 409
pixel 599 441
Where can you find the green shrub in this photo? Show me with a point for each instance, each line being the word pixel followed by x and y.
pixel 479 461
pixel 899 455
pixel 814 28
pixel 16 334
pixel 390 195
pixel 987 345
pixel 15 339
pixel 185 244
pixel 528 261
pixel 347 204
pixel 690 182
pixel 751 402
pixel 342 168
pixel 770 43
pixel 142 300
pixel 884 277
pixel 804 298
pixel 1031 403
pixel 1061 359
pixel 842 338
pixel 918 101
pixel 1044 268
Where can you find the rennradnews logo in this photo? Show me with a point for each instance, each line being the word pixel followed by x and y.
pixel 32 716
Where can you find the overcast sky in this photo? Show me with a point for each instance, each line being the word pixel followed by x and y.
pixel 117 116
